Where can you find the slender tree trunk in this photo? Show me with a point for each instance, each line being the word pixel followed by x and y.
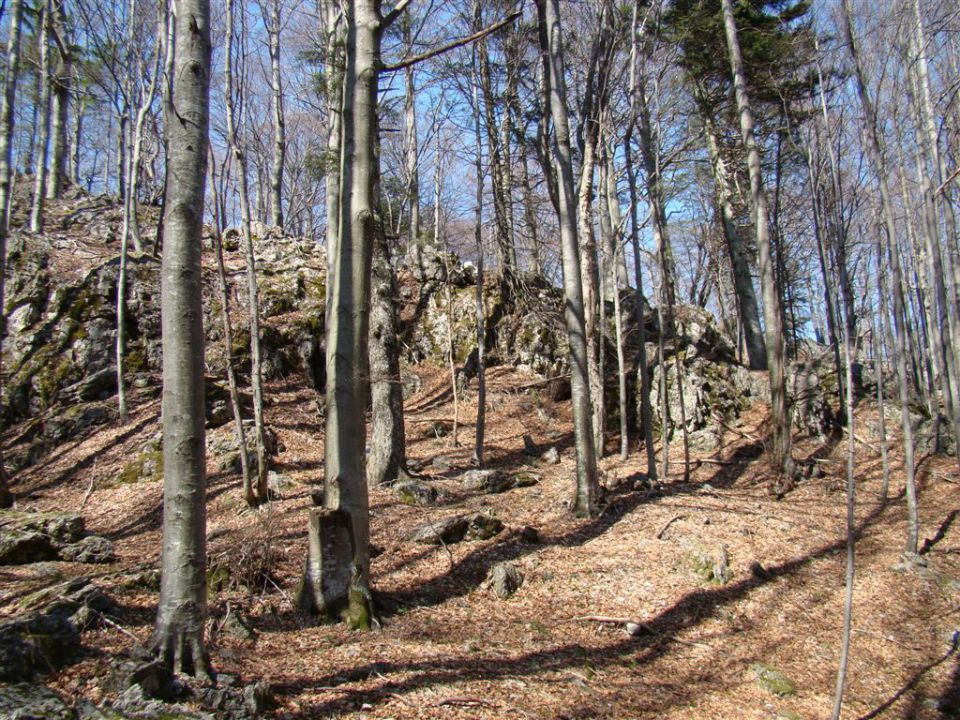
pixel 617 274
pixel 238 429
pixel 279 121
pixel 773 315
pixel 40 178
pixel 6 172
pixel 261 492
pixel 79 109
pixel 478 243
pixel 551 43
pixel 411 150
pixel 646 413
pixel 875 153
pixel 181 614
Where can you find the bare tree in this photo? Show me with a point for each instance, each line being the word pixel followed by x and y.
pixel 551 45
pixel 181 614
pixel 772 312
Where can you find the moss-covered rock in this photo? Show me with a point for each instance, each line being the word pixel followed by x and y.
pixel 773 680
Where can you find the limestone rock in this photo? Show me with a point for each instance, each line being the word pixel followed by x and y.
pixel 441 532
pixel 91 549
pixel 412 492
pixel 505 579
pixel 487 481
pixel 551 456
pixel 26 701
pixel 19 547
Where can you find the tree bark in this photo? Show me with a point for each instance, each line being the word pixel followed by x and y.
pixel 57 177
pixel 178 635
pixel 40 177
pixel 348 314
pixel 272 23
pixel 6 179
pixel 772 312
pixel 551 44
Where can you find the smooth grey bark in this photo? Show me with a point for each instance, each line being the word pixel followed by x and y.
pixel 772 311
pixel 259 493
pixel 61 80
pixel 551 44
pixel 615 276
pixel 40 177
pixel 646 413
pixel 272 23
pixel 76 134
pixel 877 160
pixel 748 309
pixel 6 180
pixel 181 614
pixel 480 426
pixel 348 322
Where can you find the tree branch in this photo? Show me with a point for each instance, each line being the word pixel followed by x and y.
pixel 391 17
pixel 414 59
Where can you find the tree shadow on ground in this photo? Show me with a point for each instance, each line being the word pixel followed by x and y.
pixel 687 613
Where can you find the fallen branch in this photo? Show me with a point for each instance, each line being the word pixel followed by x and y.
pixel 465 702
pixel 863 442
pixel 666 527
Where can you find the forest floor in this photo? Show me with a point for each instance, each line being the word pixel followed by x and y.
pixel 449 648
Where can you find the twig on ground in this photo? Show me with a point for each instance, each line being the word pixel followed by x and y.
pixel 86 496
pixel 465 702
pixel 884 637
pixel 666 527
pixel 119 627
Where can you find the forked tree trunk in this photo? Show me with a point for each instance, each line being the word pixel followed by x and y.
pixel 181 614
pixel 551 44
pixel 772 311
pixel 6 172
pixel 345 487
pixel 875 153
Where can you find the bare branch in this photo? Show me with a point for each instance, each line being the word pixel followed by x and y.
pixel 479 35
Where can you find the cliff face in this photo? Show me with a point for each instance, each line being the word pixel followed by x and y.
pixel 59 355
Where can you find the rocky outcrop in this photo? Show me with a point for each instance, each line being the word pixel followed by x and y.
pixel 35 537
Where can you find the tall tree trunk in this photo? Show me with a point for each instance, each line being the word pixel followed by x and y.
pixel 79 110
pixel 551 44
pixel 236 408
pixel 40 178
pixel 646 413
pixel 181 614
pixel 57 177
pixel 336 580
pixel 6 179
pixel 480 426
pixel 772 313
pixel 411 150
pixel 875 153
pixel 279 120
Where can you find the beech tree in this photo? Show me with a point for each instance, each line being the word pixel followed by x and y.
pixel 178 638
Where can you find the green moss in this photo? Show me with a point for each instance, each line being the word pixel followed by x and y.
pixel 218 579
pixel 773 680
pixel 358 614
pixel 148 465
pixel 136 361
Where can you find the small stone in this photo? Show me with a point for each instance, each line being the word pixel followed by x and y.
pixel 441 532
pixel 505 579
pixel 551 456
pixel 488 481
pixel 636 629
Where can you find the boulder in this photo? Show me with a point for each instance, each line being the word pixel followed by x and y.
pixel 487 481
pixel 36 644
pixel 19 547
pixel 441 532
pixel 412 492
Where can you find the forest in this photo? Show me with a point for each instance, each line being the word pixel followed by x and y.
pixel 479 359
